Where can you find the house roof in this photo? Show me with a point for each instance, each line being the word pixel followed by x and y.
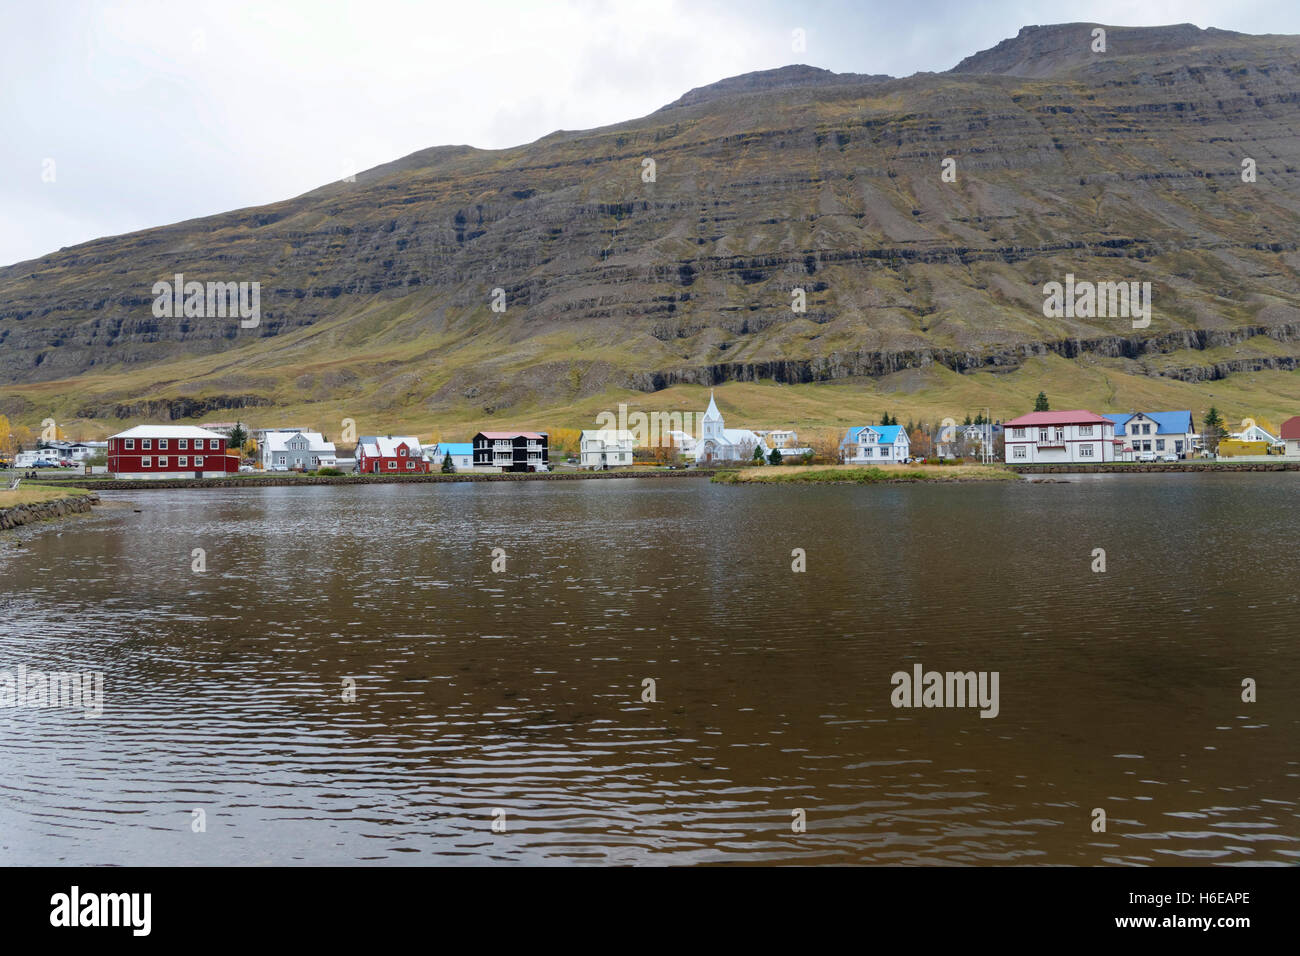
pixel 614 435
pixel 1078 416
pixel 168 431
pixel 1290 428
pixel 888 433
pixel 1167 423
pixel 500 435
pixel 278 441
pixel 385 446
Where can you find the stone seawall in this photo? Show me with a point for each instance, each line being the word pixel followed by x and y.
pixel 1128 468
pixel 43 511
pixel 265 481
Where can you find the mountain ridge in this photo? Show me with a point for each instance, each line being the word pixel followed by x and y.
pixel 789 178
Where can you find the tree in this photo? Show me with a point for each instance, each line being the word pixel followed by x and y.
pixel 1212 430
pixel 967 423
pixel 447 466
pixel 1040 403
pixel 775 457
pixel 758 455
pixel 237 437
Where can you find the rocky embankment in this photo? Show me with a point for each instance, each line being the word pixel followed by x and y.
pixel 20 515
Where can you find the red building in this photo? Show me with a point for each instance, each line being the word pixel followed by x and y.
pixel 390 455
pixel 169 451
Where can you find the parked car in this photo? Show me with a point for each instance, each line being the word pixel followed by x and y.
pixel 42 463
pixel 1169 456
pixel 247 468
pixel 1146 456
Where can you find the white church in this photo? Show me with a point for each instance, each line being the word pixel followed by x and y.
pixel 717 443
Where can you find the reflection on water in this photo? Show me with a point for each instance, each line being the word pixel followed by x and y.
pixel 522 690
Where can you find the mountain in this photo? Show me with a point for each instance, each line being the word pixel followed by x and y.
pixel 376 295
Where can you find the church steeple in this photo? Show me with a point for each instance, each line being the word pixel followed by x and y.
pixel 712 422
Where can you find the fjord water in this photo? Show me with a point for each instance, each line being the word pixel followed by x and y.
pixel 521 691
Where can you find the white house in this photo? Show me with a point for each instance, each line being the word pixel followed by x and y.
pixel 718 443
pixel 462 455
pixel 1060 437
pixel 288 451
pixel 875 445
pixel 1160 433
pixel 1255 433
pixel 605 448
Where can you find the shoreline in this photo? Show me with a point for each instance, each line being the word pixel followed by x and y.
pixel 290 480
pixel 866 475
pixel 31 513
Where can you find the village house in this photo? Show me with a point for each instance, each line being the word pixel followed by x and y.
pixel 719 443
pixel 462 455
pixel 169 451
pixel 1060 437
pixel 510 451
pixel 874 445
pixel 296 450
pixel 601 448
pixel 1154 433
pixel 1290 435
pixel 390 455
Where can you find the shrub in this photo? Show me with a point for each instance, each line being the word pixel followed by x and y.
pixel 329 472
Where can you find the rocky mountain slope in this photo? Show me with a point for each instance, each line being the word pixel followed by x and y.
pixel 378 294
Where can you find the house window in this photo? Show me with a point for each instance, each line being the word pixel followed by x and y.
pixel 401 452
pixel 1060 434
pixel 392 466
pixel 1085 431
pixel 279 459
pixel 1042 434
pixel 130 443
pixel 866 452
pixel 146 443
pixel 146 462
pixel 198 462
pixel 1019 452
pixel 182 443
pixel 162 461
pixel 410 466
pixel 1146 429
pixel 162 442
pixel 214 444
pixel 183 461
pixel 1085 451
pixel 1160 444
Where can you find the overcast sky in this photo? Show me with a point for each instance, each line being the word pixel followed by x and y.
pixel 120 116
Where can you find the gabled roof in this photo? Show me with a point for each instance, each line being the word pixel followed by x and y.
pixel 612 435
pixel 279 441
pixel 888 434
pixel 1167 423
pixel 385 446
pixel 1290 428
pixel 1078 416
pixel 167 431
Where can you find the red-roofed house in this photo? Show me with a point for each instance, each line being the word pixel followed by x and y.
pixel 1290 433
pixel 510 451
pixel 390 455
pixel 1047 438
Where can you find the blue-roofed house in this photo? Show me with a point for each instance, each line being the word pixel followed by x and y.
pixel 874 445
pixel 462 455
pixel 1157 433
